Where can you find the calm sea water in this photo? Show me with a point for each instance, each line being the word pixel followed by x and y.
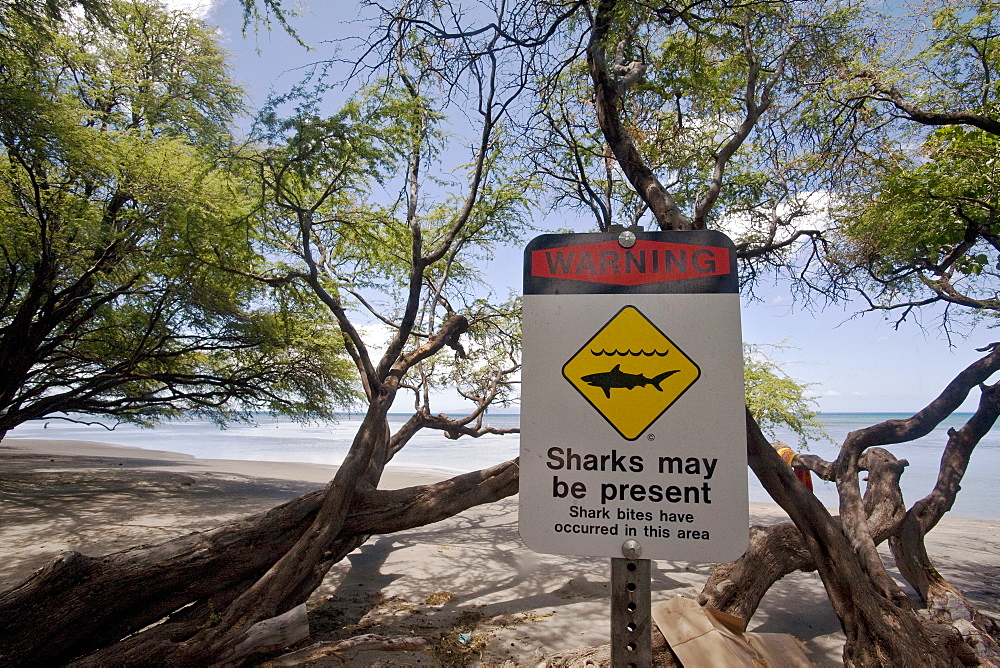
pixel 281 440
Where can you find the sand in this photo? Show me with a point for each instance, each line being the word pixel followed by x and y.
pixel 467 575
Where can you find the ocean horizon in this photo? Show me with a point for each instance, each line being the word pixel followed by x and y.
pixel 280 439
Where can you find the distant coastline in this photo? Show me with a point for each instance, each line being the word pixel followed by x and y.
pixel 280 440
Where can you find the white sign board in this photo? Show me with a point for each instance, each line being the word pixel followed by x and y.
pixel 632 414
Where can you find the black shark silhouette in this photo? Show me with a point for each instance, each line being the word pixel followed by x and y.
pixel 618 379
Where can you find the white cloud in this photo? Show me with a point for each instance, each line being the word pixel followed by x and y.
pixel 196 8
pixel 802 211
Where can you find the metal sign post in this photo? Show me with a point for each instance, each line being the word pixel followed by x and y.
pixel 631 625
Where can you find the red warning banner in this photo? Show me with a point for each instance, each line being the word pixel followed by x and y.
pixel 645 262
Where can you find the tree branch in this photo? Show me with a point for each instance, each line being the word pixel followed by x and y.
pixel 606 97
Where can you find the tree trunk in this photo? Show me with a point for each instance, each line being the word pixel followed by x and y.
pixel 606 100
pixel 739 586
pixel 78 604
pixel 777 550
pixel 958 632
pixel 880 628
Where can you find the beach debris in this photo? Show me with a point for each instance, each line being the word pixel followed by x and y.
pixel 703 636
pixel 464 638
pixel 440 598
pixel 513 619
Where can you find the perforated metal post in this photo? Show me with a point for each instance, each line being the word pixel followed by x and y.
pixel 631 631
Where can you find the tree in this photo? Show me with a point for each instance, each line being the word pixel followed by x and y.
pixel 768 101
pixel 315 231
pixel 940 198
pixel 775 399
pixel 872 608
pixel 109 190
pixel 768 93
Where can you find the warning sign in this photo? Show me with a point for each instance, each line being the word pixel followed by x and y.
pixel 633 426
pixel 631 372
pixel 645 262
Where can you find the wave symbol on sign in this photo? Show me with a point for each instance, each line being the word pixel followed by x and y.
pixel 629 353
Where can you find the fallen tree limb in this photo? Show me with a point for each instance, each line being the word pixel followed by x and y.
pixel 78 604
pixel 274 634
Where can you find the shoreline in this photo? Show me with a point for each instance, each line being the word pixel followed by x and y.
pixel 467 574
pixel 429 451
pixel 394 477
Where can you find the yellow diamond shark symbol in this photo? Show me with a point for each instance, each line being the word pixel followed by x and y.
pixel 631 372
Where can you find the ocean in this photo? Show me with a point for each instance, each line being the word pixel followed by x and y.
pixel 273 439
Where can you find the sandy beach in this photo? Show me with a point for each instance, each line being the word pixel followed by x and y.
pixel 467 575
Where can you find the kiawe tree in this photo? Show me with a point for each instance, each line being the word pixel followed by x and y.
pixel 313 228
pixel 807 140
pixel 709 115
pixel 109 191
pixel 762 119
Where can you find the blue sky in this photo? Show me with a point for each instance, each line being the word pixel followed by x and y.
pixel 856 363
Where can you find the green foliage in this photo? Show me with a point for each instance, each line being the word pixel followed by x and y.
pixel 920 225
pixel 258 13
pixel 924 208
pixel 41 17
pixel 957 56
pixel 777 400
pixel 492 343
pixel 329 219
pixel 325 173
pixel 111 200
pixel 707 72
